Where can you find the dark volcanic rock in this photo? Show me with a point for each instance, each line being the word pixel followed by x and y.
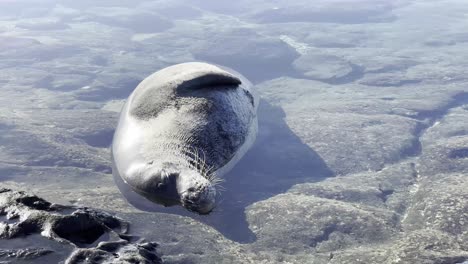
pixel 24 254
pixel 118 252
pixel 94 236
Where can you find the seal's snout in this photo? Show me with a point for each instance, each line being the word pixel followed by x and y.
pixel 201 201
pixel 197 194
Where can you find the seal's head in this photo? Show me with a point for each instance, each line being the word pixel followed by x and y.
pixel 171 184
pixel 196 192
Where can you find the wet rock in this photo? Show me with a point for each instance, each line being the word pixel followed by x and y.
pixel 87 4
pixel 446 40
pixel 388 80
pixel 440 204
pixel 230 8
pixel 425 246
pixel 359 140
pixel 64 82
pixel 137 21
pixel 123 252
pixel 423 189
pixel 355 127
pixel 42 25
pixel 447 156
pixel 326 68
pixel 17 43
pixel 109 86
pixel 440 199
pixel 96 236
pixel 23 254
pixel 311 222
pixel 344 12
pixel 342 41
pixel 259 57
pixel 172 9
pixel 386 64
pixel 445 144
pixel 99 139
pixel 48 146
pixel 431 228
pixel 385 188
pixel 26 8
pixel 32 50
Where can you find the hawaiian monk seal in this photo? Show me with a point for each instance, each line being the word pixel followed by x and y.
pixel 182 128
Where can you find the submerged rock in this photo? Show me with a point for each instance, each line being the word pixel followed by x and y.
pixel 259 57
pixel 90 235
pixel 139 22
pixel 42 25
pixel 326 68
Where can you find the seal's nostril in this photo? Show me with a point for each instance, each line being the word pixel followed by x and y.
pixel 191 189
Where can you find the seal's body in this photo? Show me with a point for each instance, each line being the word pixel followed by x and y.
pixel 180 129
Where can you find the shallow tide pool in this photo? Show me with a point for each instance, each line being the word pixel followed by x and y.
pixel 361 154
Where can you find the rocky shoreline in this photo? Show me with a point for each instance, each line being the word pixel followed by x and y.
pixel 91 236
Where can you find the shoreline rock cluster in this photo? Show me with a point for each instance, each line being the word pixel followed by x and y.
pixel 91 236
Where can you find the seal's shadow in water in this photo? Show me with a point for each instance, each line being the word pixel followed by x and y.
pixel 277 160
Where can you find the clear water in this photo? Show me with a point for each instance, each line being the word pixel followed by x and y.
pixel 351 89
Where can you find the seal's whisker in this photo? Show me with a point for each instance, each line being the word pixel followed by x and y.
pixel 209 173
pixel 209 170
pixel 204 166
pixel 214 178
pixel 197 158
pixel 197 161
pixel 218 186
pixel 221 188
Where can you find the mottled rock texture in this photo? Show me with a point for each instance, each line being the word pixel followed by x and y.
pixel 91 236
